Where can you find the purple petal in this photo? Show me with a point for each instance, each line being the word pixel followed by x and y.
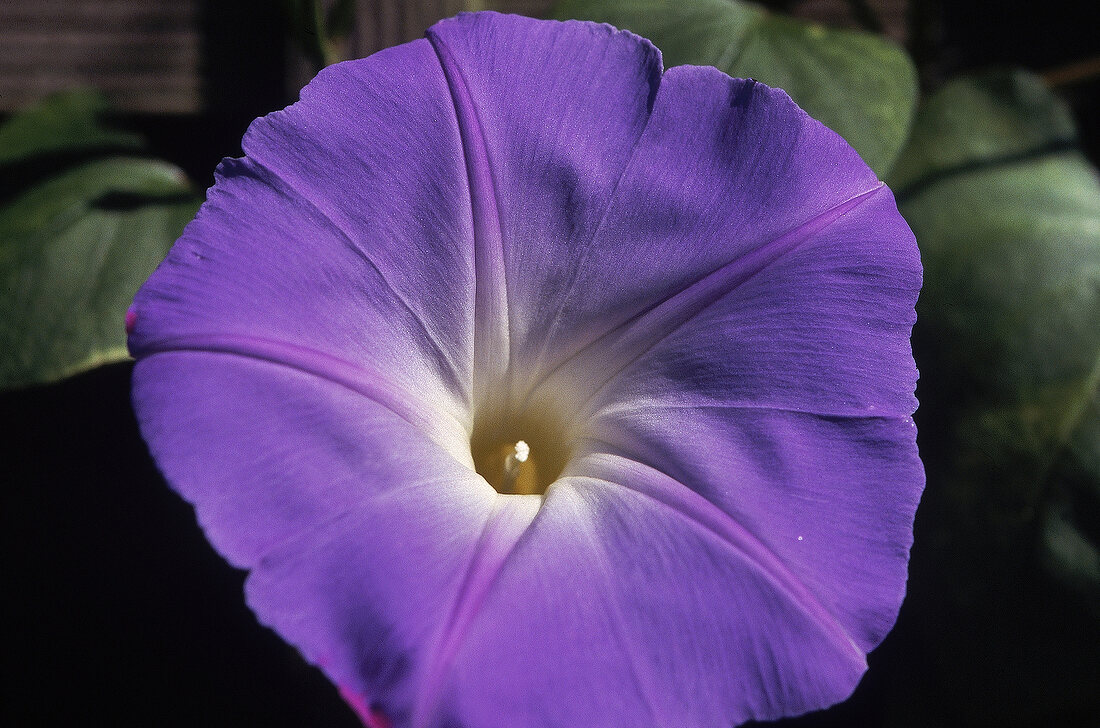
pixel 358 527
pixel 322 245
pixel 706 290
pixel 755 183
pixel 625 611
pixel 816 321
pixel 550 113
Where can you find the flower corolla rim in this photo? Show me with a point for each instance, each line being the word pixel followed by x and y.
pixel 536 385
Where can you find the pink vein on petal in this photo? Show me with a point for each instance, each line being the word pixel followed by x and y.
pixel 615 408
pixel 692 506
pixel 492 348
pixel 371 717
pixel 635 337
pixel 505 527
pixel 447 365
pixel 317 363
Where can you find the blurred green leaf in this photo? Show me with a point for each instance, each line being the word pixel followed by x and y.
pixel 70 122
pixel 982 120
pixel 76 244
pixel 860 85
pixel 1007 215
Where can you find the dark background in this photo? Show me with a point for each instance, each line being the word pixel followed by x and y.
pixel 123 613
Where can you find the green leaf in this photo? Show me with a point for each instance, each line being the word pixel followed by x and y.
pixel 70 122
pixel 1007 215
pixel 73 251
pixel 860 85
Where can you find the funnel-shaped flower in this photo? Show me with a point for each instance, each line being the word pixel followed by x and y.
pixel 538 388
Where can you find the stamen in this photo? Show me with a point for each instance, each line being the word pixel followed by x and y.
pixel 512 463
pixel 516 466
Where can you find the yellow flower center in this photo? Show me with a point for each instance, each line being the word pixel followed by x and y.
pixel 521 455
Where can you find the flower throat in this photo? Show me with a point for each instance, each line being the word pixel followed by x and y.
pixel 519 455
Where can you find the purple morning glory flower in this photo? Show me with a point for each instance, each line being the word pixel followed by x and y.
pixel 538 387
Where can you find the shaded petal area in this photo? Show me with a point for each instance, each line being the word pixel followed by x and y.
pixel 780 392
pixel 728 175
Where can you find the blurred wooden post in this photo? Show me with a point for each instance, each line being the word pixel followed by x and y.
pixel 383 23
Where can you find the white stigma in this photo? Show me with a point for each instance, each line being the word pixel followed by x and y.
pixel 523 450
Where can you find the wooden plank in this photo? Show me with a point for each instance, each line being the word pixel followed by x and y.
pixel 145 54
pixel 383 23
